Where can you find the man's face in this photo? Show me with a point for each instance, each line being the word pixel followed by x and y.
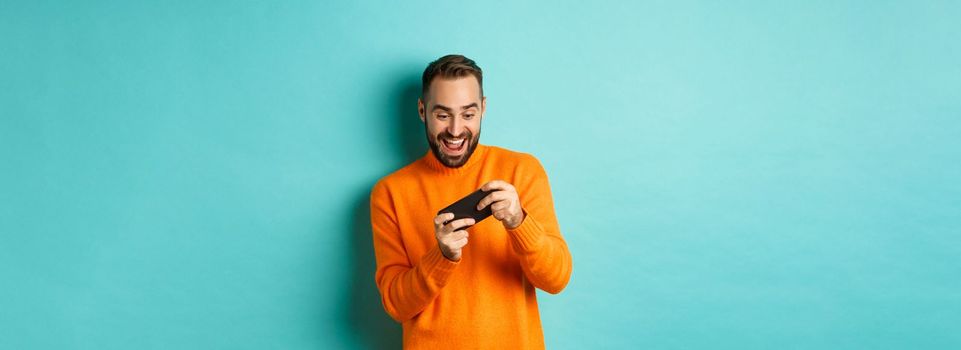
pixel 452 117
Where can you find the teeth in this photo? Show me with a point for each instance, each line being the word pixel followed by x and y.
pixel 454 142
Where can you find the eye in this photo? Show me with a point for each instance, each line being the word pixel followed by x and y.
pixel 442 116
pixel 468 116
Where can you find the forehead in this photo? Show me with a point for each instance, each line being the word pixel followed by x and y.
pixel 454 91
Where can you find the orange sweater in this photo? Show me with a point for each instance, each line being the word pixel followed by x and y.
pixel 485 300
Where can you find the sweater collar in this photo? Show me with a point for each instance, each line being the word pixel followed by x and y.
pixel 477 157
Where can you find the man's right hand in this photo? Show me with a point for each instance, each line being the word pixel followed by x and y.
pixel 450 237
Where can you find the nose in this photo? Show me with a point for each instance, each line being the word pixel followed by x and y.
pixel 456 127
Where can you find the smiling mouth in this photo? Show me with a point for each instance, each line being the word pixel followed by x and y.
pixel 454 144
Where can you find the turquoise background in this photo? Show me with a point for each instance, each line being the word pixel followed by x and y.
pixel 728 175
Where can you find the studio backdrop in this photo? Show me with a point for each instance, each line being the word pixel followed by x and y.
pixel 728 175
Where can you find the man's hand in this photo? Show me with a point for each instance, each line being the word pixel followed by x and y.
pixel 504 203
pixel 450 237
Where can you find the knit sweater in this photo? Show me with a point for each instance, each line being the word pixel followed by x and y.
pixel 486 299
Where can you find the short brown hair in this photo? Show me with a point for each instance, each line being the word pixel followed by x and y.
pixel 451 66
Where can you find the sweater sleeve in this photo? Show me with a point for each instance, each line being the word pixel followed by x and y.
pixel 405 289
pixel 543 253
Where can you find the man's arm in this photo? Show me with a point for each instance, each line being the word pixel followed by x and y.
pixel 405 289
pixel 527 212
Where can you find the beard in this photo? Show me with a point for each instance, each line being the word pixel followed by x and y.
pixel 448 161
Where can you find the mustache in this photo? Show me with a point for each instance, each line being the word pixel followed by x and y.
pixel 467 134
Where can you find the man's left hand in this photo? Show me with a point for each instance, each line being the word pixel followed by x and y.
pixel 504 202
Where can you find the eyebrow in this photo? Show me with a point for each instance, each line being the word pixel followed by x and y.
pixel 448 109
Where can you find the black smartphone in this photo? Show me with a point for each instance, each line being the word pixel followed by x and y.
pixel 467 208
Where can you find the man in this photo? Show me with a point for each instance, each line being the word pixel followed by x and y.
pixel 450 286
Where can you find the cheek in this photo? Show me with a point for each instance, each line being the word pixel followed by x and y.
pixel 474 128
pixel 434 128
pixel 472 125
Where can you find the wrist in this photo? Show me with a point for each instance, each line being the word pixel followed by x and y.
pixel 448 255
pixel 517 222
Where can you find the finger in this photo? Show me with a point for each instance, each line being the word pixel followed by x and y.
pixel 498 185
pixel 458 235
pixel 454 237
pixel 500 205
pixel 442 218
pixel 460 243
pixel 495 185
pixel 491 198
pixel 457 224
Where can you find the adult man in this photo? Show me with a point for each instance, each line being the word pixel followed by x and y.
pixel 449 294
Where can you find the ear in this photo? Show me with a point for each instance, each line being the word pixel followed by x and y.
pixel 420 110
pixel 483 106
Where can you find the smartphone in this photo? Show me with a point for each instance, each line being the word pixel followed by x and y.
pixel 467 208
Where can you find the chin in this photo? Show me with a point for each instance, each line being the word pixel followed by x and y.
pixel 455 162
